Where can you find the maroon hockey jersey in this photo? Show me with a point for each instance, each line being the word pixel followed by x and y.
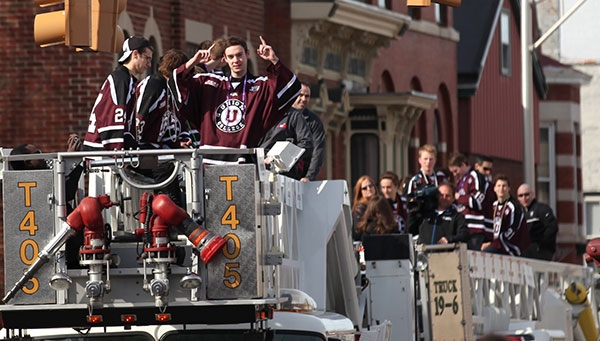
pixel 421 180
pixel 510 233
pixel 235 113
pixel 472 190
pixel 156 110
pixel 111 125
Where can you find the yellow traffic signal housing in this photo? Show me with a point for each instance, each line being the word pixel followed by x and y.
pixel 71 25
pixel 107 36
pixel 425 3
pixel 420 3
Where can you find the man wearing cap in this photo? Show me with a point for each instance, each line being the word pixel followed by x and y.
pixel 112 121
pixel 236 110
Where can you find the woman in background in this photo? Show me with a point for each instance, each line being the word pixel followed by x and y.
pixel 363 190
pixel 378 218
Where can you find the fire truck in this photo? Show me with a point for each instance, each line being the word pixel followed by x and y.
pixel 249 255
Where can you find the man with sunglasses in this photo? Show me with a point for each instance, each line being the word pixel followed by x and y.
pixel 473 199
pixel 542 225
pixel 112 121
pixel 484 165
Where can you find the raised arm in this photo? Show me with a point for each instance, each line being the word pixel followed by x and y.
pixel 202 56
pixel 266 52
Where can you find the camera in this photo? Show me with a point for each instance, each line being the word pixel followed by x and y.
pixel 423 200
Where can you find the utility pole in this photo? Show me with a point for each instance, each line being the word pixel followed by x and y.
pixel 527 97
pixel 527 85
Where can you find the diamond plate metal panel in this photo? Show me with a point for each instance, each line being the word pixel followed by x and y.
pixel 28 226
pixel 231 212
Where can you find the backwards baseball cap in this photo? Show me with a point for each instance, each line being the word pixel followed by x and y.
pixel 131 44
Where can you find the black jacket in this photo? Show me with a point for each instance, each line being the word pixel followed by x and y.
pixel 449 224
pixel 542 225
pixel 293 128
pixel 318 133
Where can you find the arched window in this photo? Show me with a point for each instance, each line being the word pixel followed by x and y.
pixel 436 128
pixel 415 84
pixel 445 123
pixel 155 57
pixel 418 136
pixel 387 84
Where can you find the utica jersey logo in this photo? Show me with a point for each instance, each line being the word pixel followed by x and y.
pixel 230 116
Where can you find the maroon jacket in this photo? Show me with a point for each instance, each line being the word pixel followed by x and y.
pixel 473 200
pixel 235 113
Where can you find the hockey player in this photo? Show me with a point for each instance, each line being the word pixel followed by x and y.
pixel 236 110
pixel 510 235
pixel 158 125
pixel 421 190
pixel 112 122
pixel 472 198
pixel 157 109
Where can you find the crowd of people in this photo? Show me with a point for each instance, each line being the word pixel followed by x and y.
pixel 461 204
pixel 212 100
pixel 208 100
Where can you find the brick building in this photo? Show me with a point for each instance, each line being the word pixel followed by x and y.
pixel 384 76
pixel 352 52
pixel 373 65
pixel 491 115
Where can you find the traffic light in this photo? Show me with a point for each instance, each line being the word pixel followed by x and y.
pixel 424 3
pixel 107 36
pixel 71 25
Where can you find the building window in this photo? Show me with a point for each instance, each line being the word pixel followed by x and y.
pixel 309 56
pixel 546 171
pixel 364 148
pixel 333 62
pixel 441 14
pixel 592 216
pixel 436 129
pixel 356 66
pixel 387 4
pixel 414 13
pixel 505 62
